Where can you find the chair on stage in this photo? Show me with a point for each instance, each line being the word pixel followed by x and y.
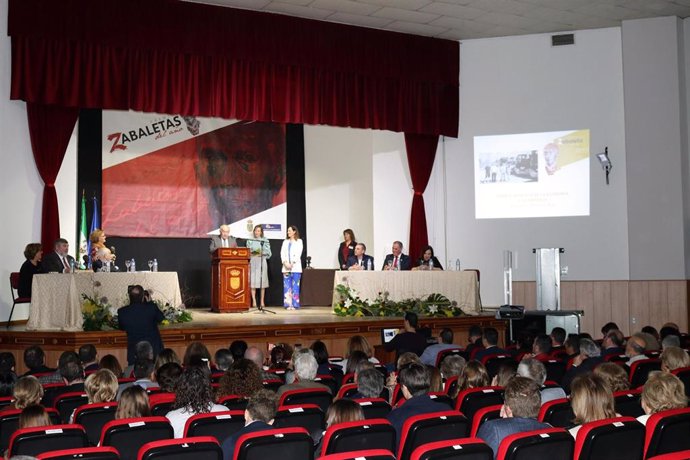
pixel 196 448
pixel 286 443
pixel 454 449
pixel 425 428
pixel 307 416
pixel 219 425
pixel 551 443
pixel 14 286
pixel 129 434
pixel 84 453
pixel 37 440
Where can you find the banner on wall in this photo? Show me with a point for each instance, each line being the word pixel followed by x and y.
pixel 182 177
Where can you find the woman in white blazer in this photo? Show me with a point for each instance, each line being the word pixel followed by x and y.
pixel 291 254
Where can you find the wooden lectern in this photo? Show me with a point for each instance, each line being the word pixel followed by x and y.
pixel 230 289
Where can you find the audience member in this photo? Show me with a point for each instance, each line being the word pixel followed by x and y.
pixel 142 350
pixel 196 350
pixel 242 379
pixel 321 355
pixel 258 416
pixel 143 374
pixel 239 347
pixel 56 377
pixel 668 329
pixel 614 376
pixel 111 363
pixel 524 343
pixel 397 260
pixel 651 330
pixel 409 339
pixel 34 416
pixel 635 348
pixel 402 361
pixel 541 349
pixel 427 260
pixel 356 358
pixel 673 358
pixel 88 355
pixel 662 391
pixel 414 383
pixel 341 411
pixel 518 413
pixel 34 360
pixel 606 328
pixel 445 343
pixel 279 358
pixel 586 361
pixel 506 371
pixel 73 377
pixel 670 341
pixel 167 376
pixel 140 321
pixel 557 338
pixel 133 403
pixel 193 395
pixel 369 384
pixel 101 386
pixel 475 375
pixel 8 378
pixel 591 400
pixel 572 345
pixel 26 392
pixel 613 343
pixel 305 371
pixel 223 359
pixel 255 355
pixel 33 253
pixel 452 366
pixel 534 369
pixel 358 343
pixel 490 342
pixel 435 380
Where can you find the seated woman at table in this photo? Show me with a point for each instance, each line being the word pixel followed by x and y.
pixel 99 253
pixel 428 261
pixel 31 266
pixel 347 248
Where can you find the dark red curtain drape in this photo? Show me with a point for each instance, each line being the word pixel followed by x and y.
pixel 50 128
pixel 178 57
pixel 421 152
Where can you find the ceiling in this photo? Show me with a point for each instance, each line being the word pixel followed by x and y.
pixel 464 19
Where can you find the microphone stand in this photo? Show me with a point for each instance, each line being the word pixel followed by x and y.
pixel 259 308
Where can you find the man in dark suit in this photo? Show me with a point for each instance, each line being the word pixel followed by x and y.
pixel 258 416
pixel 588 358
pixel 397 260
pixel 58 261
pixel 224 240
pixel 360 261
pixel 73 377
pixel 140 320
pixel 490 342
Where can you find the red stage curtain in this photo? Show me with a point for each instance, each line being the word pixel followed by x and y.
pixel 187 58
pixel 50 128
pixel 421 152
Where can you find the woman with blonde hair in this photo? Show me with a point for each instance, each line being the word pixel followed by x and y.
pixel 101 386
pixel 26 392
pixel 33 416
pixel 474 375
pixel 100 254
pixel 134 402
pixel 591 400
pixel 358 343
pixel 673 358
pixel 614 376
pixel 662 391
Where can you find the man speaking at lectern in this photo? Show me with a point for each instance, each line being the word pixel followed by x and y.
pixel 224 240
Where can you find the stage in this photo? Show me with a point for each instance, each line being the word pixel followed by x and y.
pixel 219 330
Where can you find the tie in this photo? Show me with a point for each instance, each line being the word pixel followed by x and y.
pixel 225 243
pixel 64 261
pixel 395 262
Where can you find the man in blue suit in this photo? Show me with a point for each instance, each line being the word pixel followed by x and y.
pixel 397 260
pixel 140 321
pixel 258 416
pixel 360 261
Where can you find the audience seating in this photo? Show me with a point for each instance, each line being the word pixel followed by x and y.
pixel 667 431
pixel 683 374
pixel 360 435
pixel 550 443
pixel 66 403
pixel 219 425
pixel 613 358
pixel 557 413
pixel 319 396
pixel 6 401
pixel 494 361
pixel 374 407
pixel 197 448
pixel 234 402
pixel 454 449
pixel 272 384
pixel 483 415
pixel 93 418
pixel 397 395
pixel 84 453
pixel 471 400
pixel 347 390
pixel 372 454
pixel 14 286
pixel 426 428
pixel 36 440
pixel 628 403
pixel 329 381
pixel 129 434
pixel 441 355
pixel 639 370
pixel 348 378
pixel 443 398
pixel 161 403
pixel 450 385
pixel 337 373
pixel 290 443
pixel 9 423
pixel 307 416
pixel 555 370
pixel 620 437
pixel 682 455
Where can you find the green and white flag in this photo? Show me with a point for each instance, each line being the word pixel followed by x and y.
pixel 83 242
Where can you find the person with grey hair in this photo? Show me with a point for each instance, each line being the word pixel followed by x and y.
pixel 452 366
pixel 588 358
pixel 142 350
pixel 670 341
pixel 369 384
pixel 635 348
pixel 257 357
pixel 534 369
pixel 305 372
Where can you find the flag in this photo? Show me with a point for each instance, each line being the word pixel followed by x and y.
pixel 95 222
pixel 83 240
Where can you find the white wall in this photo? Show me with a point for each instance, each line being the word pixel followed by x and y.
pixel 521 85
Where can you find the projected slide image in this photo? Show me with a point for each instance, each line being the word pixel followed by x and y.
pixel 532 175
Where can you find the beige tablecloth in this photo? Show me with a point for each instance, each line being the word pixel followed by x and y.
pixel 458 286
pixel 56 297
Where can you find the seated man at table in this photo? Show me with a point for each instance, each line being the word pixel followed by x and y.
pixel 397 260
pixel 360 261
pixel 140 321
pixel 58 261
pixel 408 340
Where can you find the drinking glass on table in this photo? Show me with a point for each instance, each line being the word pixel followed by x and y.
pixel 150 265
pixel 128 264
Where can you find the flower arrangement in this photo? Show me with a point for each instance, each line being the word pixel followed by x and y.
pixel 350 304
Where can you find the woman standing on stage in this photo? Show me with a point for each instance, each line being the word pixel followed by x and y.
pixel 260 249
pixel 347 248
pixel 291 254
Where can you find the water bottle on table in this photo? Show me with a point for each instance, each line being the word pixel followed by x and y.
pixel 155 265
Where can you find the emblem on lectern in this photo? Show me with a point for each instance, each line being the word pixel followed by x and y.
pixel 235 281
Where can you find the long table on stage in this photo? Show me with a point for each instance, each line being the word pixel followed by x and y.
pixel 461 287
pixel 56 298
